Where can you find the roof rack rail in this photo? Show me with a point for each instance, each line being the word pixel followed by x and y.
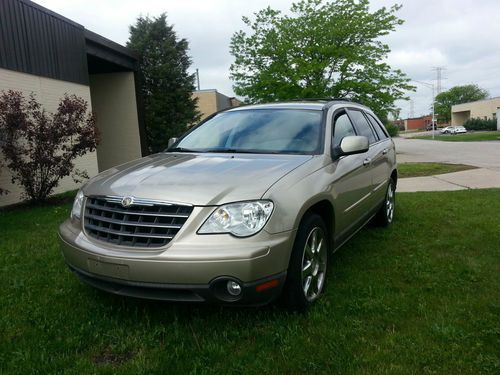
pixel 320 100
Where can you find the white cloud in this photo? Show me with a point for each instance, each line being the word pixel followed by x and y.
pixel 459 34
pixel 407 58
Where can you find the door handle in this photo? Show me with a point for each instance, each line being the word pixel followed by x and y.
pixel 367 161
pixel 386 150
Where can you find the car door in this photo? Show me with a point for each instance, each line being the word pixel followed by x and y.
pixel 371 158
pixel 351 181
pixel 383 160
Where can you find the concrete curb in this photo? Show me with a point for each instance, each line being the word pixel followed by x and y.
pixel 481 178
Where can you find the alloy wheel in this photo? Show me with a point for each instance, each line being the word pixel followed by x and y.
pixel 314 264
pixel 390 203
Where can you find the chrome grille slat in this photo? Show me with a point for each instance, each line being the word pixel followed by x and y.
pixel 121 233
pixel 133 223
pixel 137 213
pixel 149 226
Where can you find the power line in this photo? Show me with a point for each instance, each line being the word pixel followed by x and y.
pixel 439 77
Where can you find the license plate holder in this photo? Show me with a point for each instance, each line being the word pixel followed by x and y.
pixel 118 271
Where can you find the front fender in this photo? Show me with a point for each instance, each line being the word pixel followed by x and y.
pixel 296 193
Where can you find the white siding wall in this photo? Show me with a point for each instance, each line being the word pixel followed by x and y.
pixel 48 92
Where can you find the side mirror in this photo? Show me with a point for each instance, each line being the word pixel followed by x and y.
pixel 171 141
pixel 350 145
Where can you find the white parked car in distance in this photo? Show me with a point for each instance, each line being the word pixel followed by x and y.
pixel 446 130
pixel 453 130
pixel 458 130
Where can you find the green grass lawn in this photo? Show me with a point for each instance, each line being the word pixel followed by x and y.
pixel 467 137
pixel 429 169
pixel 422 297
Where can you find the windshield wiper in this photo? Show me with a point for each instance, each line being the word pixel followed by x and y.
pixel 181 149
pixel 235 151
pixel 228 150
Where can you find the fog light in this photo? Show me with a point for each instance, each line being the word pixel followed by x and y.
pixel 233 288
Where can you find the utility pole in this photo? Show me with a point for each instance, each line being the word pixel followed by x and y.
pixel 198 79
pixel 412 104
pixel 439 77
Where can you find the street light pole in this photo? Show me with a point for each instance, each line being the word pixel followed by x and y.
pixel 433 118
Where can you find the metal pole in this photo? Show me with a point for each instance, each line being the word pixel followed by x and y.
pixel 433 100
pixel 198 78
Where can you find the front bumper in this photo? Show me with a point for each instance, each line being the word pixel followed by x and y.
pixel 251 293
pixel 193 268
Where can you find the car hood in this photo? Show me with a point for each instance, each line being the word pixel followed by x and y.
pixel 198 179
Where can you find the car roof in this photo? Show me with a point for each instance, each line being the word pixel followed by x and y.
pixel 308 104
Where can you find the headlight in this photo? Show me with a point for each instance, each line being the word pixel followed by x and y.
pixel 76 211
pixel 240 219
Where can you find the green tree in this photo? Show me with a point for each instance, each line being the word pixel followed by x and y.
pixel 456 95
pixel 165 83
pixel 328 49
pixel 396 112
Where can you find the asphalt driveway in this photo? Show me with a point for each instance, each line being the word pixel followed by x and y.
pixel 484 155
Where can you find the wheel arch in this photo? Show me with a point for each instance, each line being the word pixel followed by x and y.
pixel 394 176
pixel 325 209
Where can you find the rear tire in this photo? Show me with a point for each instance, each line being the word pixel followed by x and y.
pixel 385 214
pixel 307 269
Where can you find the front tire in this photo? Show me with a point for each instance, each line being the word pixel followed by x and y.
pixel 385 214
pixel 307 270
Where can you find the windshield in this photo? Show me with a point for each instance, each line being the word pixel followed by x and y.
pixel 257 131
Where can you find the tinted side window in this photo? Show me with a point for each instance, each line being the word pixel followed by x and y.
pixel 378 127
pixel 362 125
pixel 342 128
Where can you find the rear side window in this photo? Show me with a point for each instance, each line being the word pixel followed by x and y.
pixel 362 125
pixel 379 128
pixel 342 128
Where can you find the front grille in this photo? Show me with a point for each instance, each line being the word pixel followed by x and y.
pixel 147 224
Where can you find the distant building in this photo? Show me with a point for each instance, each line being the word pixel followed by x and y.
pixel 211 101
pixel 483 109
pixel 414 123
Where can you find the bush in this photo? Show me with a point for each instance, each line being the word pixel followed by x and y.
pixel 392 129
pixel 39 147
pixel 480 124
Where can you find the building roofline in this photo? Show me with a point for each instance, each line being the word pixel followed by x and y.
pixel 207 90
pixel 217 92
pixel 477 101
pixel 109 44
pixel 89 35
pixel 51 13
pixel 418 118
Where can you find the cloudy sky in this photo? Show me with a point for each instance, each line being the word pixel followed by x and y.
pixel 461 35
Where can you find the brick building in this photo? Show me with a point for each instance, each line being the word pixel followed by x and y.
pixel 414 123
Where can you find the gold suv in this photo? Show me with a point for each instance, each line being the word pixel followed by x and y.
pixel 247 206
